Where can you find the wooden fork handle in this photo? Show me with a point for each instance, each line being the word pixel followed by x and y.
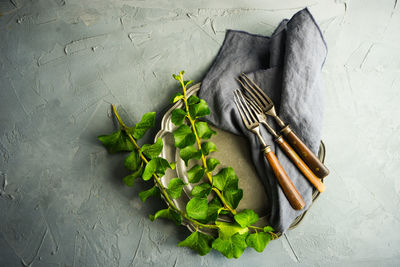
pixel 294 157
pixel 316 166
pixel 291 193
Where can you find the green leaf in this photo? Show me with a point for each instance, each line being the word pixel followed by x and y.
pixel 152 151
pixel 130 179
pixel 176 216
pixel 152 192
pixel 195 174
pixel 178 116
pixel 176 97
pixel 197 208
pixel 175 187
pixel 212 164
pixel 188 153
pixel 116 142
pixel 226 179
pixel 231 247
pixel 147 122
pixel 170 214
pixel 233 197
pixel 199 242
pixel 172 165
pixel 203 130
pixel 184 136
pixel 160 214
pixel 193 100
pixel 208 147
pixel 268 229
pixel 186 83
pixel 133 161
pixel 155 166
pixel 201 190
pixel 213 209
pixel 176 77
pixel 246 217
pixel 199 110
pixel 227 230
pixel 258 241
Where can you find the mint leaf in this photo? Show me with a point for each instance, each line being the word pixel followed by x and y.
pixel 147 122
pixel 176 97
pixel 195 174
pixel 153 150
pixel 199 110
pixel 156 166
pixel 227 230
pixel 246 217
pixel 258 241
pixel 201 190
pixel 233 197
pixel 175 187
pixel 116 142
pixel 199 242
pixel 231 247
pixel 208 147
pixel 184 136
pixel 226 179
pixel 268 229
pixel 197 208
pixel 211 164
pixel 178 116
pixel 133 161
pixel 130 179
pixel 152 192
pixel 188 153
pixel 193 100
pixel 203 130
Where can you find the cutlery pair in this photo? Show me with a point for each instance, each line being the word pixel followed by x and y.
pixel 253 111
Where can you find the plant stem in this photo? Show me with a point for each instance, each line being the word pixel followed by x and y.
pixel 164 192
pixel 203 158
pixel 262 229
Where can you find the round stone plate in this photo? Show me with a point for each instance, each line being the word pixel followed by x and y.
pixel 232 151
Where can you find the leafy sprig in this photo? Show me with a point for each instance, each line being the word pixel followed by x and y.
pixel 213 194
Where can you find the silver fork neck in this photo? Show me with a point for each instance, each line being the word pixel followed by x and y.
pixel 256 131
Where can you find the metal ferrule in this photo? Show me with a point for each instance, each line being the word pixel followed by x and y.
pixel 286 130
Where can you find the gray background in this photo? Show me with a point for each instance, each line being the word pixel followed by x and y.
pixel 62 62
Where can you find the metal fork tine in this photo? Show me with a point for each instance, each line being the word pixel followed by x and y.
pixel 253 104
pixel 250 92
pixel 241 111
pixel 256 88
pixel 248 110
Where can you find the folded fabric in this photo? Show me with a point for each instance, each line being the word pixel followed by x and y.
pixel 287 66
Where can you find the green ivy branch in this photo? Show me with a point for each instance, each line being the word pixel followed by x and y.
pixel 184 85
pixel 128 131
pixel 144 162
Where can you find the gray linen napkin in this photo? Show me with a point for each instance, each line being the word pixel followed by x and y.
pixel 287 66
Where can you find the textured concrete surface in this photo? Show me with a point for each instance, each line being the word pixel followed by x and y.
pixel 63 61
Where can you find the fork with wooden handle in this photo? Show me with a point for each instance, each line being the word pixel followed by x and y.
pixel 293 156
pixel 252 124
pixel 266 104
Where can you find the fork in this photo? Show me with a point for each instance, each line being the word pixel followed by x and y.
pixel 293 156
pixel 266 104
pixel 252 124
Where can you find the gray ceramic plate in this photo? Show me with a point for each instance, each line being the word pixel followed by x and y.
pixel 232 151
